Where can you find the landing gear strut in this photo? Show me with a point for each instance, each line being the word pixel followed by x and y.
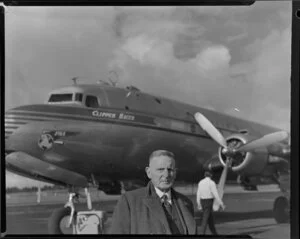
pixel 67 220
pixel 62 220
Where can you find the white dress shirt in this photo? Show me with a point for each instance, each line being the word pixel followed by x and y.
pixel 160 194
pixel 207 189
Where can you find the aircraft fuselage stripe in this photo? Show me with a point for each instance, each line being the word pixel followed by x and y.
pixel 29 119
pixel 94 115
pixel 79 111
pixel 57 118
pixel 11 127
pixel 90 119
pixel 113 117
pixel 15 122
pixel 88 113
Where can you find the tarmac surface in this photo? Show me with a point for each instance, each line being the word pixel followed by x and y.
pixel 246 213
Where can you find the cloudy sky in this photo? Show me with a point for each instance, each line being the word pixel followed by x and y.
pixel 221 58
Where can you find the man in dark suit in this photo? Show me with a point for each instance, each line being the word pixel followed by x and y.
pixel 156 208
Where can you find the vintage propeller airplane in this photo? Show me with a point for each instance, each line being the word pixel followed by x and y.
pixel 102 135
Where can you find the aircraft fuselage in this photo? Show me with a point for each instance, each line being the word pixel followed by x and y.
pixel 114 140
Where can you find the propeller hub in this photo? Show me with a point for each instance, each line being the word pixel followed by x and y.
pixel 224 151
pixel 229 152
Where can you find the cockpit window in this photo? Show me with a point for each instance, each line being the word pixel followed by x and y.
pixel 60 97
pixel 91 101
pixel 78 97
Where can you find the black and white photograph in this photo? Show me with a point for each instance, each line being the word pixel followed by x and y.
pixel 148 120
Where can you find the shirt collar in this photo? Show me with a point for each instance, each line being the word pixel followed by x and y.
pixel 208 178
pixel 160 193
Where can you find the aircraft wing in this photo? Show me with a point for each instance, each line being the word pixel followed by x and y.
pixel 25 164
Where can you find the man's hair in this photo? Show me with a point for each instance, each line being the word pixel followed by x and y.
pixel 161 152
pixel 208 173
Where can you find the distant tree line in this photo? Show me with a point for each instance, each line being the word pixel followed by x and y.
pixel 33 188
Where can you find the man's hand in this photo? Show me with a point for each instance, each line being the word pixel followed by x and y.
pixel 222 206
pixel 199 207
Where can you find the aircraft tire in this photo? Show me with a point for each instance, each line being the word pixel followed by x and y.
pixel 58 218
pixel 281 210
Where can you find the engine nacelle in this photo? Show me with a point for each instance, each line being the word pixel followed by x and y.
pixel 246 163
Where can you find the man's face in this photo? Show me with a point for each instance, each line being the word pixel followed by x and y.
pixel 162 172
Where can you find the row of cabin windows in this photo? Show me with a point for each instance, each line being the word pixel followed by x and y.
pixel 93 102
pixel 90 100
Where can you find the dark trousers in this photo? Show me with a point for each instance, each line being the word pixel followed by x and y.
pixel 207 216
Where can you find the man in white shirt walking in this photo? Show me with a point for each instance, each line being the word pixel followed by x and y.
pixel 206 193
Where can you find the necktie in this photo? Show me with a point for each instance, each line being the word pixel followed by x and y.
pixel 166 204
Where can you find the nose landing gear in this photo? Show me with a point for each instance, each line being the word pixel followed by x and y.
pixel 67 220
pixel 62 220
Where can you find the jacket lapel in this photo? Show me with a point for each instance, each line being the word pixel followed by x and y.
pixel 188 219
pixel 151 200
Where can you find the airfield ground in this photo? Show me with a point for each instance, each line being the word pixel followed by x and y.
pixel 246 212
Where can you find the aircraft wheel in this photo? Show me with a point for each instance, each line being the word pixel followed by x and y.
pixel 58 220
pixel 281 210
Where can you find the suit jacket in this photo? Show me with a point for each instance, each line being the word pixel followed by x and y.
pixel 140 212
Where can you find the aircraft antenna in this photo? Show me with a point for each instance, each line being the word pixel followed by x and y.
pixel 74 79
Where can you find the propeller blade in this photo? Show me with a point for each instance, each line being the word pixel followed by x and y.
pixel 264 141
pixel 210 129
pixel 221 184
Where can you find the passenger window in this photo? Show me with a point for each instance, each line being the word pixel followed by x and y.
pixel 78 97
pixel 91 101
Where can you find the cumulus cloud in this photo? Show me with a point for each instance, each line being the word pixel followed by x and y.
pixel 148 50
pixel 269 71
pixel 201 72
pixel 214 61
